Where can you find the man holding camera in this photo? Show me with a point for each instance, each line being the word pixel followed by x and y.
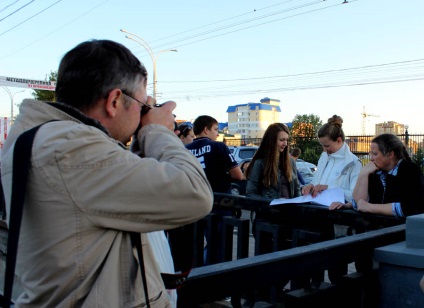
pixel 86 192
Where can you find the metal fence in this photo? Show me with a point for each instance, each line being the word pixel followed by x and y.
pixel 292 226
pixel 359 145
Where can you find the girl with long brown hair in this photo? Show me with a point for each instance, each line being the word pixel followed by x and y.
pixel 272 173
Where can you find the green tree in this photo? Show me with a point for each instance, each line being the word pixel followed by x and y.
pixel 418 158
pixel 44 95
pixel 304 136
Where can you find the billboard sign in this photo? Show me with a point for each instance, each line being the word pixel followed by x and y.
pixel 27 83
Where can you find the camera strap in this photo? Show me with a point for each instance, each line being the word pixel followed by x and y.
pixel 136 241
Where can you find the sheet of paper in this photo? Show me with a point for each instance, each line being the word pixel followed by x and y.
pixel 326 197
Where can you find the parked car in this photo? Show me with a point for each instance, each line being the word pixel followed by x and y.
pixel 311 166
pixel 243 152
pixel 306 169
pixel 239 187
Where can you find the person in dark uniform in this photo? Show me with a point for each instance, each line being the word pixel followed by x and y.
pixel 219 165
pixel 215 157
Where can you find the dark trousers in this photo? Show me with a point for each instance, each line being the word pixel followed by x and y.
pixel 181 242
pixel 335 273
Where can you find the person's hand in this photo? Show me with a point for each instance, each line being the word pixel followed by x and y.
pixel 317 189
pixel 339 205
pixel 363 206
pixel 159 115
pixel 369 168
pixel 306 190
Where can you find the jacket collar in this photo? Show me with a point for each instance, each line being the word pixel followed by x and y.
pixel 77 114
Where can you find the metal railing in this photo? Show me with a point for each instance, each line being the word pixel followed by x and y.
pixel 238 275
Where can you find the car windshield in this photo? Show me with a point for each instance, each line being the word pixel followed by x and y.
pixel 247 153
pixel 303 168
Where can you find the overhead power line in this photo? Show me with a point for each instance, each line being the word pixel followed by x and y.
pixel 10 29
pixel 395 72
pixel 220 21
pixel 56 30
pixel 222 28
pixel 235 24
pixel 196 35
pixel 3 9
pixel 302 74
pixel 16 10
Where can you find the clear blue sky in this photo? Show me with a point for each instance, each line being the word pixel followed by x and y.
pixel 316 57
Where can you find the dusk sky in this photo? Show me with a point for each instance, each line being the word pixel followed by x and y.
pixel 316 57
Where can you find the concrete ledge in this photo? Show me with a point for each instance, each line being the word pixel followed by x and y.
pixel 399 254
pixel 409 253
pixel 414 231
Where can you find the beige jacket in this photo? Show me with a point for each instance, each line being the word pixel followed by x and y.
pixel 85 190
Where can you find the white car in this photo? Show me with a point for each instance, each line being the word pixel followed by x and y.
pixel 306 169
pixel 243 152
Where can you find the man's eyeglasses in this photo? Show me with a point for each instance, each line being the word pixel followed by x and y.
pixel 144 107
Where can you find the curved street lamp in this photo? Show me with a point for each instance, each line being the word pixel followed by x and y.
pixel 11 100
pixel 152 55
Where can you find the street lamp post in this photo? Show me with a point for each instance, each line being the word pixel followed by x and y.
pixel 152 55
pixel 11 100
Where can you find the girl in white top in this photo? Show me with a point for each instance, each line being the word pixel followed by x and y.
pixel 337 166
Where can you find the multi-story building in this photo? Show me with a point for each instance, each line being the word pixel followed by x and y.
pixel 389 127
pixel 252 119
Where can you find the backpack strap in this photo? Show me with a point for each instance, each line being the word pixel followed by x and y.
pixel 21 165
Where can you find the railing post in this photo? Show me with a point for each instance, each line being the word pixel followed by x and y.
pixel 242 226
pixel 212 238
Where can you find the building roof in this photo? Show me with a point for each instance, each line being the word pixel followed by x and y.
pixel 252 106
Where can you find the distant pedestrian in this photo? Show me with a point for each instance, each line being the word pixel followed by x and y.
pixel 185 133
pixel 295 154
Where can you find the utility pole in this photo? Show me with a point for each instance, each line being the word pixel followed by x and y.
pixel 152 55
pixel 11 100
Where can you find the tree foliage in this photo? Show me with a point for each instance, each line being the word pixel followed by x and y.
pixel 304 136
pixel 43 95
pixel 418 158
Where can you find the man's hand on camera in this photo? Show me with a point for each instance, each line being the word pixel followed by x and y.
pixel 159 115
